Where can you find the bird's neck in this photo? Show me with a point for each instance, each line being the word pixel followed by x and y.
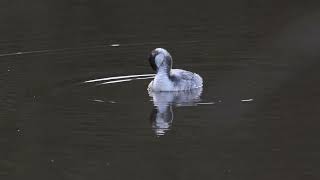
pixel 164 71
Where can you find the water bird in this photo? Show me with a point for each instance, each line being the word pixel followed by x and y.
pixel 168 79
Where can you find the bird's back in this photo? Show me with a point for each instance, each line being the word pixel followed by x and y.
pixel 185 80
pixel 179 80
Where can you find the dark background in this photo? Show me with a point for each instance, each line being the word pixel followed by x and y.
pixel 265 50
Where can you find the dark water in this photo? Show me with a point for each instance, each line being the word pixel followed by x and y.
pixel 54 126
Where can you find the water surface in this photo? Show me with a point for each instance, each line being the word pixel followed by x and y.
pixel 257 116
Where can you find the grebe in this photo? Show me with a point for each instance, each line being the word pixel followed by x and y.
pixel 168 79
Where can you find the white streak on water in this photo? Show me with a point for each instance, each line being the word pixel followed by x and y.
pixel 205 103
pixel 115 45
pixel 97 100
pixel 27 52
pixel 145 78
pixel 119 77
pixel 116 81
pixel 96 47
pixel 246 100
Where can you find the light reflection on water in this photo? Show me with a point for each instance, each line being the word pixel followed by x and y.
pixel 162 116
pixel 125 78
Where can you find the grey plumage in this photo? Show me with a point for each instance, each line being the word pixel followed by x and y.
pixel 168 79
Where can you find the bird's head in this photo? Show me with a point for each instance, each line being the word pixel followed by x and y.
pixel 160 58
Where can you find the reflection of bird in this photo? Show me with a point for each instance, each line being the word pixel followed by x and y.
pixel 168 79
pixel 162 115
pixel 161 119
